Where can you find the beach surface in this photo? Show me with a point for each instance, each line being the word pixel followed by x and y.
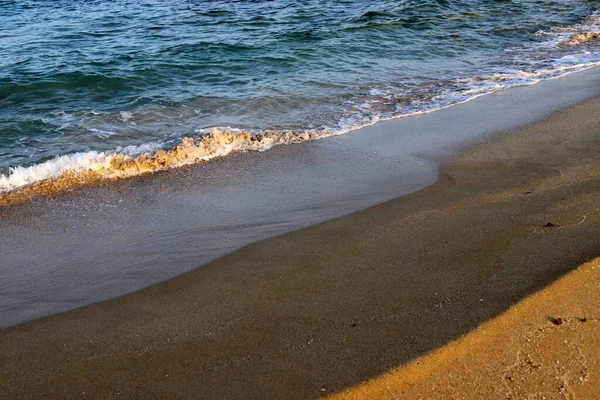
pixel 543 347
pixel 451 281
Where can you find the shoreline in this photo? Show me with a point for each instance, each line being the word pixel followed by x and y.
pixel 325 308
pixel 90 245
pixel 218 142
pixel 114 166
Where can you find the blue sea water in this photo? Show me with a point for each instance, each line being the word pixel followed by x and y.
pixel 88 79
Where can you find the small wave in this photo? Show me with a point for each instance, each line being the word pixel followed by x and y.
pixel 375 14
pixel 82 168
pixel 577 34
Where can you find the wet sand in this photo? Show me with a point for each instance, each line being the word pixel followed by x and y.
pixel 321 310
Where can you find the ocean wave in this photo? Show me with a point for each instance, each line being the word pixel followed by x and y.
pixel 82 168
pixel 577 34
pixel 583 38
pixel 23 182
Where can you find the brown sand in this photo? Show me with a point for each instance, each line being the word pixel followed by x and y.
pixel 323 309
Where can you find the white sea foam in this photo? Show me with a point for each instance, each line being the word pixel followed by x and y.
pixel 126 116
pixel 75 163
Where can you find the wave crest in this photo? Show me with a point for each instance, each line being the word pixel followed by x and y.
pixel 577 34
pixel 23 183
pixel 583 38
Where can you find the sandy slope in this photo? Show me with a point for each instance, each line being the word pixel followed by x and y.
pixel 323 309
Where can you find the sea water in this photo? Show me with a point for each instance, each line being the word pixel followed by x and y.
pixel 120 88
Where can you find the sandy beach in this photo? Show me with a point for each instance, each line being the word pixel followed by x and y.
pixel 543 347
pixel 446 291
pixel 299 200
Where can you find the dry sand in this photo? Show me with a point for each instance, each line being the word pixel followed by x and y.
pixel 404 287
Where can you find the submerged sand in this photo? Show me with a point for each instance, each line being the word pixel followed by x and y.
pixel 391 288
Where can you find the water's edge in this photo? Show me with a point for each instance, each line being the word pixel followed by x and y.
pixel 108 240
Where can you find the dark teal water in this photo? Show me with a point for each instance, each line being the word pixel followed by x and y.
pixel 81 76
